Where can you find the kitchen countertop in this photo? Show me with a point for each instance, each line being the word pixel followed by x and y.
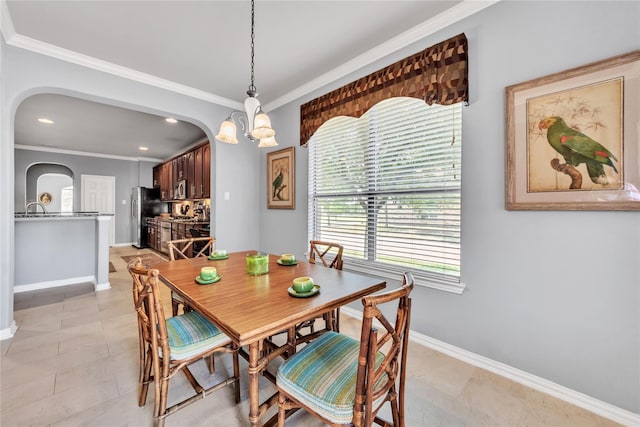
pixel 182 221
pixel 23 216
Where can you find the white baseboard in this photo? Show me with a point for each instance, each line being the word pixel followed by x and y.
pixel 7 333
pixel 101 286
pixel 581 400
pixel 53 284
pixel 115 245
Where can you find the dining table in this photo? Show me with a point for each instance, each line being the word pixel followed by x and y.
pixel 250 309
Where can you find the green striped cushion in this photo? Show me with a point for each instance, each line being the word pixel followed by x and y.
pixel 190 334
pixel 323 376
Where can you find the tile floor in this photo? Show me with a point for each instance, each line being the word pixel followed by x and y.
pixel 74 362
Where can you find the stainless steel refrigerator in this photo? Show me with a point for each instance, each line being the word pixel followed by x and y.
pixel 145 203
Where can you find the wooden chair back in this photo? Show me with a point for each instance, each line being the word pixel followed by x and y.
pixel 391 339
pixel 330 254
pixel 152 327
pixel 192 247
pixel 156 363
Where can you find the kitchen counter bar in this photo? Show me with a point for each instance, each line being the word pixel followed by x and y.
pixel 58 249
pixel 21 216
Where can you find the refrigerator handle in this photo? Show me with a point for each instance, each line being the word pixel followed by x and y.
pixel 133 207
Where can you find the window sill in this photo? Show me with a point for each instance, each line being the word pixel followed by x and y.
pixel 391 273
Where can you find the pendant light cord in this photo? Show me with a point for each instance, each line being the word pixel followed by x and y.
pixel 252 87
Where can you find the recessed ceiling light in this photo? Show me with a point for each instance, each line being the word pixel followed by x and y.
pixel 46 121
pixel 170 120
pixel 143 148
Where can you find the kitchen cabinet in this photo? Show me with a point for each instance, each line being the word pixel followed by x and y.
pixel 194 166
pixel 156 176
pixel 202 175
pixel 206 171
pixel 153 234
pixel 166 181
pixel 190 165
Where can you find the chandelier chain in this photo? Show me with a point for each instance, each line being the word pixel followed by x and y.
pixel 252 87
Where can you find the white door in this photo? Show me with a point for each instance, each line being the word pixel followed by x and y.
pixel 99 194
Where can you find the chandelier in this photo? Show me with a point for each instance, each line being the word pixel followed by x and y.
pixel 254 122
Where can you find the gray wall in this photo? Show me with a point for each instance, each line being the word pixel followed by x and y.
pixel 127 175
pixel 552 293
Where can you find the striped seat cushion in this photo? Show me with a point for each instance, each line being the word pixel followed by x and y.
pixel 323 376
pixel 190 334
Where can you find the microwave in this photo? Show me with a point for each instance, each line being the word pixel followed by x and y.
pixel 180 190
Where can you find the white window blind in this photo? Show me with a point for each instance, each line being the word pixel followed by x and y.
pixel 387 187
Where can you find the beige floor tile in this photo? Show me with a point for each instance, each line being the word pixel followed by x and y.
pixel 542 409
pixel 93 371
pixel 23 392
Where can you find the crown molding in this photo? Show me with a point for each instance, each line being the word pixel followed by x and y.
pixel 14 39
pixel 86 154
pixel 450 16
pixel 460 11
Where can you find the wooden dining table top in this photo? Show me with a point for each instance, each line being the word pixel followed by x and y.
pixel 249 308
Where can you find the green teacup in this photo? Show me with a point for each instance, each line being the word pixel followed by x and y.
pixel 219 253
pixel 208 273
pixel 287 258
pixel 302 284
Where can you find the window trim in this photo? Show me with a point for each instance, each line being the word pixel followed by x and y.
pixel 390 272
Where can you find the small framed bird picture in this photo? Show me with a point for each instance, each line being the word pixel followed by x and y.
pixel 281 179
pixel 572 138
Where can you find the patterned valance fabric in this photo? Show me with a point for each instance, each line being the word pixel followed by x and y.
pixel 437 74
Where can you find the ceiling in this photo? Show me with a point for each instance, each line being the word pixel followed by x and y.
pixel 203 48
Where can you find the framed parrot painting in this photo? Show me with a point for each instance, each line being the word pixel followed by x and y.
pixel 572 138
pixel 281 179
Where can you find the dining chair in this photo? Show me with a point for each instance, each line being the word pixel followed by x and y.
pixel 342 380
pixel 187 248
pixel 168 346
pixel 330 255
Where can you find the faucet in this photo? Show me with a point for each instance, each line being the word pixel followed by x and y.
pixel 28 205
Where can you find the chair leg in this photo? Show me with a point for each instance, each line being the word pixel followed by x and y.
pixel 162 399
pixel 282 411
pixel 211 364
pixel 144 379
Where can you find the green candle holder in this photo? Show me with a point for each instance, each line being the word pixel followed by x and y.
pixel 257 264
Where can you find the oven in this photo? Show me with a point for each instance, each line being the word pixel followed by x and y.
pixel 165 236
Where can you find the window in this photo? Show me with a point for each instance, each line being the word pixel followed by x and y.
pixel 387 187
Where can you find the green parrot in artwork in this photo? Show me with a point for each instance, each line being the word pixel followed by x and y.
pixel 277 182
pixel 577 148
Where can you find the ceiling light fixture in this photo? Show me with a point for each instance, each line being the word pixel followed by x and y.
pixel 46 121
pixel 143 148
pixel 170 120
pixel 254 122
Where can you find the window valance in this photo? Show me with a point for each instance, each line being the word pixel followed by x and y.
pixel 437 74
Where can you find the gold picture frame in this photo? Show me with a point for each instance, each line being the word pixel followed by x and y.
pixel 572 138
pixel 45 198
pixel 281 179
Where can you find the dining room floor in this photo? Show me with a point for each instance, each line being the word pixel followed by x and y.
pixel 74 362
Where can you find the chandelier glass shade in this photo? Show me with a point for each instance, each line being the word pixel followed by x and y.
pixel 254 122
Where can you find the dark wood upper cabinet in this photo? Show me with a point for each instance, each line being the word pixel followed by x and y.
pixel 194 166
pixel 206 170
pixel 189 165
